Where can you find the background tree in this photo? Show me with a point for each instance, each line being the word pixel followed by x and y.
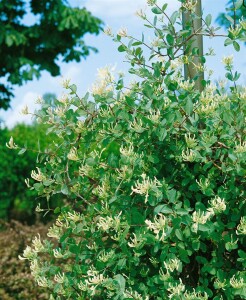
pixel 236 10
pixel 26 50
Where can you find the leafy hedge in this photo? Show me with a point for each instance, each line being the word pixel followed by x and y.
pixel 153 174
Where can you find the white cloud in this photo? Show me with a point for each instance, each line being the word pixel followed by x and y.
pixel 115 9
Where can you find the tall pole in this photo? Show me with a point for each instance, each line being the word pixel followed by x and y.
pixel 190 72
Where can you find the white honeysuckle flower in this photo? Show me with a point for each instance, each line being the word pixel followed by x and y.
pixel 11 144
pixel 106 223
pixel 127 151
pixel 242 22
pixel 210 89
pixel 164 276
pixel 104 257
pixel 66 83
pixel 140 13
pixel 58 253
pixel 92 246
pixel 60 278
pixel 108 31
pixel 130 294
pixel 218 204
pixel 28 253
pixel 154 115
pixel 158 226
pixel 200 217
pixel 102 190
pixel 83 286
pixel 145 186
pixel 189 4
pixel 55 232
pixel 122 32
pixel 80 126
pixel 222 83
pixel 208 108
pixel 203 183
pixel 188 155
pixel 154 261
pixel 151 2
pixel 96 280
pixel 235 30
pixel 186 84
pixel 73 154
pixel 74 216
pixel 137 125
pixel 220 284
pixel 24 110
pixel 38 208
pixel 237 283
pixel 241 228
pixel 43 281
pixel 172 264
pixel 38 176
pixel 35 268
pixel 136 241
pixel 27 182
pixel 190 140
pixel 241 147
pixel 195 296
pixel 37 244
pixel 176 290
pixel 64 99
pixel 85 170
pixel 39 100
pixel 60 111
pixel 228 60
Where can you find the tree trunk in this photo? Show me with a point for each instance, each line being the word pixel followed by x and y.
pixel 190 72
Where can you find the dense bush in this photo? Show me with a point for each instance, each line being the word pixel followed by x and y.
pixel 154 177
pixel 16 202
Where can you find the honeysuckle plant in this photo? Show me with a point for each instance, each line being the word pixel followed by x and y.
pixel 152 174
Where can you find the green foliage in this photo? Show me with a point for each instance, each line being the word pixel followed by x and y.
pixel 28 49
pixel 15 200
pixel 154 177
pixel 234 19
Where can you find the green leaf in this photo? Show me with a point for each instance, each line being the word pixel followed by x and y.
pixel 64 189
pixel 170 39
pixel 73 88
pixel 162 133
pixel 238 4
pixel 156 10
pixel 229 18
pixel 208 19
pixel 23 150
pixel 236 46
pixel 179 234
pixel 163 208
pixel 189 106
pixel 164 7
pixel 57 210
pixel 122 48
pixel 228 41
pixel 121 282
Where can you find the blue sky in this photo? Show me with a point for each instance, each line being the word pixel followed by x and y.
pixel 116 14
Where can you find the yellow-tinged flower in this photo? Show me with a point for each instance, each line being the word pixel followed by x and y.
pixel 38 176
pixel 24 110
pixel 73 154
pixel 122 32
pixel 11 144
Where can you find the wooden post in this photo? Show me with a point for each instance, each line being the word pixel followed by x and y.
pixel 189 71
